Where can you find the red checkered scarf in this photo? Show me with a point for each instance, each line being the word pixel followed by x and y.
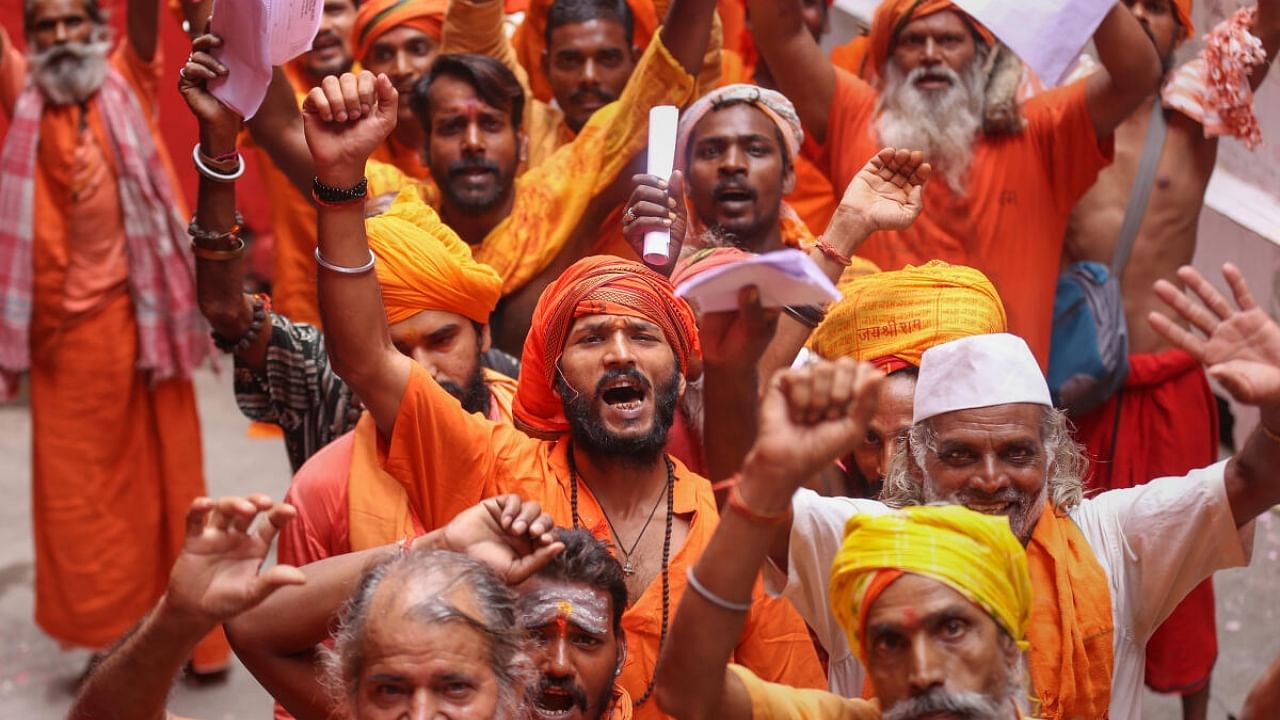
pixel 172 336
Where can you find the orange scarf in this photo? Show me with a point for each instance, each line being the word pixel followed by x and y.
pixel 1070 630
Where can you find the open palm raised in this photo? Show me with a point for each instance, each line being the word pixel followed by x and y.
pixel 1240 347
pixel 888 192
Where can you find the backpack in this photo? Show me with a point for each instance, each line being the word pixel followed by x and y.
pixel 1089 347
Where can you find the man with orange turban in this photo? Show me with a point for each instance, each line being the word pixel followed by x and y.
pixel 400 38
pixel 1207 98
pixel 925 91
pixel 889 319
pixel 610 351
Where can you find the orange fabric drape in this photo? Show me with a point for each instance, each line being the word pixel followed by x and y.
pixel 1071 630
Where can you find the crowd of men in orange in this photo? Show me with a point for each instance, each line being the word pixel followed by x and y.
pixel 531 479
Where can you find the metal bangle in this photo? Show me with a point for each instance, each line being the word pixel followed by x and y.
pixel 713 598
pixel 345 270
pixel 215 175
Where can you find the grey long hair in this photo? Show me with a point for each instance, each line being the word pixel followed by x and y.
pixel 1065 463
pixel 344 662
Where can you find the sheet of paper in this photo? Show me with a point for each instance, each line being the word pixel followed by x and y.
pixel 257 34
pixel 784 277
pixel 1047 34
pixel 241 24
pixel 294 24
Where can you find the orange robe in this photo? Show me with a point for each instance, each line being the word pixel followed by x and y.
pixel 1011 221
pixel 487 459
pixel 116 459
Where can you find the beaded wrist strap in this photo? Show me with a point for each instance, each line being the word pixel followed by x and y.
pixel 330 196
pixel 261 306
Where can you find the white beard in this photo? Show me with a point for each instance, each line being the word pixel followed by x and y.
pixel 942 123
pixel 71 73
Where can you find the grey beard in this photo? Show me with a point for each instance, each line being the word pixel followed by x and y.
pixel 70 73
pixel 943 123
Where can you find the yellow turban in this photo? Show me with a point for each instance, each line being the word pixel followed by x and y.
pixel 424 265
pixel 974 554
pixel 891 318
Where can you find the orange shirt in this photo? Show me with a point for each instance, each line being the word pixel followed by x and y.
pixel 1011 223
pixel 486 459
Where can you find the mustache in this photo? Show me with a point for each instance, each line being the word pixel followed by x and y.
pixel 458 167
pixel 581 96
pixel 577 694
pixel 630 373
pixel 326 35
pixel 728 184
pixel 940 72
pixel 1009 495
pixel 968 705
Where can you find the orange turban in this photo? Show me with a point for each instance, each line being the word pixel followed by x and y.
pixel 595 285
pixel 530 39
pixel 424 265
pixel 1182 10
pixel 891 318
pixel 378 17
pixel 893 15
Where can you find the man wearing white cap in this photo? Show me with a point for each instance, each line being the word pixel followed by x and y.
pixel 1106 570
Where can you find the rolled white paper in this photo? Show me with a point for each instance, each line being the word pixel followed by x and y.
pixel 663 121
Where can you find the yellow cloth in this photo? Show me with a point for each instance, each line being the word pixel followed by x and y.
pixel 902 313
pixel 974 554
pixel 422 264
pixel 552 198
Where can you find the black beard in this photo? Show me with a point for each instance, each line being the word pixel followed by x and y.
pixel 588 432
pixel 475 205
pixel 475 397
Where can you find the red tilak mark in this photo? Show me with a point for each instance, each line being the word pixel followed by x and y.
pixel 562 626
pixel 909 614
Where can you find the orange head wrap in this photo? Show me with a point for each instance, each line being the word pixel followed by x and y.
pixel 422 264
pixel 378 17
pixel 596 285
pixel 1182 10
pixel 530 39
pixel 894 15
pixel 891 318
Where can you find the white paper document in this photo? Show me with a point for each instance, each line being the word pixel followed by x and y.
pixel 1047 34
pixel 257 34
pixel 784 277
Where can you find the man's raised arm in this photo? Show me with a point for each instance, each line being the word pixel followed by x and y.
pixel 277 129
pixel 1130 71
pixel 346 119
pixel 796 61
pixel 1240 348
pixel 807 419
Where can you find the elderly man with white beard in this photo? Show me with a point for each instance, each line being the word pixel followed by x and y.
pixel 99 307
pixel 1003 202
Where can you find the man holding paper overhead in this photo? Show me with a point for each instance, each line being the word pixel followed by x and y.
pixel 99 307
pixel 1163 421
pixel 1001 201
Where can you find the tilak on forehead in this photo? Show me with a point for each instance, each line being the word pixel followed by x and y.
pixel 565 605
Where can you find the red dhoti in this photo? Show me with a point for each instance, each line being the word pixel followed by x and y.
pixel 1163 422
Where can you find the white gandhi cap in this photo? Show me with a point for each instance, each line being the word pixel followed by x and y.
pixel 978 371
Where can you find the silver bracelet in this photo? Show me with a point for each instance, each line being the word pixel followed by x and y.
pixel 713 598
pixel 345 270
pixel 215 175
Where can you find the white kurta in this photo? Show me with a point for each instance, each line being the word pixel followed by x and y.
pixel 1155 543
